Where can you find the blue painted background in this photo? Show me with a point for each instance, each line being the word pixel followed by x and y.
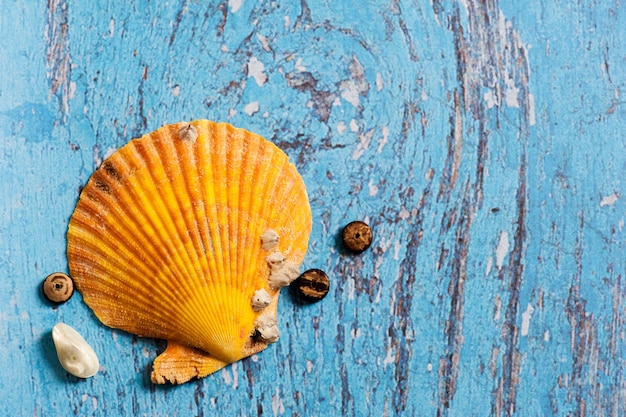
pixel 483 140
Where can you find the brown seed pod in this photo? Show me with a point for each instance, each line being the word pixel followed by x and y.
pixel 58 287
pixel 312 285
pixel 357 236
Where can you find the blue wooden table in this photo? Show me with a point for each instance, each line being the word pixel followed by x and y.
pixel 483 140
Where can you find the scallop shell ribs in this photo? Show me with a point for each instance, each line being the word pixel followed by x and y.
pixel 169 240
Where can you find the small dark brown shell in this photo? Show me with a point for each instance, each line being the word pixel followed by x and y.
pixel 58 287
pixel 357 236
pixel 312 285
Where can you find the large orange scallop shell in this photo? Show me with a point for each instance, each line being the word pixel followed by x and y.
pixel 165 241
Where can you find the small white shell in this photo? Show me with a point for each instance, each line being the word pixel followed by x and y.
pixel 266 329
pixel 275 260
pixel 284 275
pixel 260 299
pixel 269 239
pixel 75 354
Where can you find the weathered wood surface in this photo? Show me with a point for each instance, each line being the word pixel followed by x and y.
pixel 483 140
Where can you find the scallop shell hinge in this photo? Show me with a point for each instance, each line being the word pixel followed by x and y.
pixel 170 237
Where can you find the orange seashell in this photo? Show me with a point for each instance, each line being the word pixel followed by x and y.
pixel 169 240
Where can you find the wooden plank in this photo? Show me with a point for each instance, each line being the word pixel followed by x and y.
pixel 482 140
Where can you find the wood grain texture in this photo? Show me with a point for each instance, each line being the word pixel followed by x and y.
pixel 481 139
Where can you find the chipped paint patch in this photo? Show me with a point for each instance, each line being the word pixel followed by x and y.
pixel 390 356
pixel 256 70
pixel 609 200
pixel 511 94
pixel 59 66
pixel 490 98
pixel 363 145
pixel 226 376
pixel 234 5
pixel 397 247
pixel 350 92
pixel 251 108
pixel 531 109
pixel 503 249
pixel 341 127
pixel 354 126
pixel 298 66
pixel 278 405
pixel 372 188
pixel 265 44
pixel 497 308
pixel 356 86
pixel 489 266
pixel 351 288
pixel 235 375
pixel 526 316
pixel 383 141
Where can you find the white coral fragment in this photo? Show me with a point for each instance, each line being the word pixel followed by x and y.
pixel 276 260
pixel 269 239
pixel 75 354
pixel 260 299
pixel 266 329
pixel 283 276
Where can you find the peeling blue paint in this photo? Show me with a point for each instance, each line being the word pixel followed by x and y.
pixel 33 122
